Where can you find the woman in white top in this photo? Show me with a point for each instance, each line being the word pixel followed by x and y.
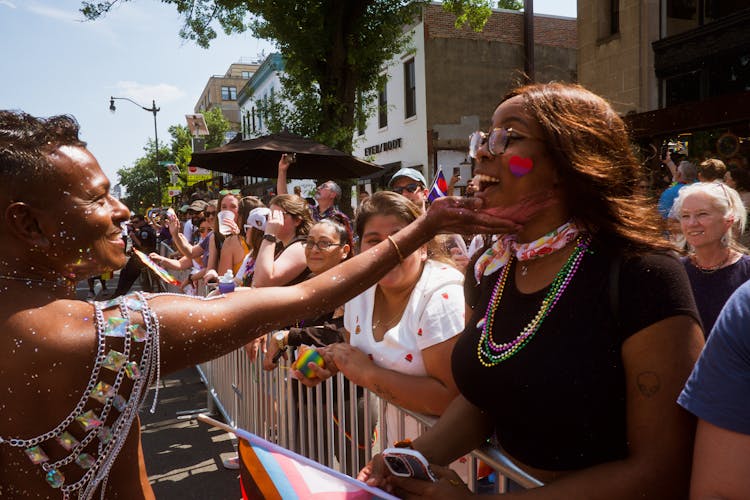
pixel 401 331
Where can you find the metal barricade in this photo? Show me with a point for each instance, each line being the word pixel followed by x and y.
pixel 332 424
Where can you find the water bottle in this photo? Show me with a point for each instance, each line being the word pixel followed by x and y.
pixel 226 282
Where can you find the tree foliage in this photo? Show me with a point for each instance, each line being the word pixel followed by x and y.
pixel 335 50
pixel 140 181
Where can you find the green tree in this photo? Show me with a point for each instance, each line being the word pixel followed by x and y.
pixel 510 4
pixel 140 180
pixel 334 50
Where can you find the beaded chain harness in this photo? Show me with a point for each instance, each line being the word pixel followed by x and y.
pixel 491 353
pixel 103 416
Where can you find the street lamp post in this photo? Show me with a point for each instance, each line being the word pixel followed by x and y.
pixel 153 109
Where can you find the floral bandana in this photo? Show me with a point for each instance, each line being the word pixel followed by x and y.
pixel 499 254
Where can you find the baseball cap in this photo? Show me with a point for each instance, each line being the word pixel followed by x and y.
pixel 184 208
pixel 410 173
pixel 257 218
pixel 198 206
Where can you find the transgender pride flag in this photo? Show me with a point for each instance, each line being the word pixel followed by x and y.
pixel 439 187
pixel 271 472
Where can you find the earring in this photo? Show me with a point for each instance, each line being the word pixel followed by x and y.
pixel 725 240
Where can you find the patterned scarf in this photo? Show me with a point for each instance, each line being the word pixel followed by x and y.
pixel 499 254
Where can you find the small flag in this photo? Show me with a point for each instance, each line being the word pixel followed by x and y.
pixel 160 271
pixel 439 187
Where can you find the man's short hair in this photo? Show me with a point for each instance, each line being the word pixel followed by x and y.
pixel 688 171
pixel 27 141
pixel 712 169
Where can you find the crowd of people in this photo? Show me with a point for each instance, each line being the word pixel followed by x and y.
pixel 561 310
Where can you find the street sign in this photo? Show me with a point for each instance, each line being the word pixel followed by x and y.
pixel 197 125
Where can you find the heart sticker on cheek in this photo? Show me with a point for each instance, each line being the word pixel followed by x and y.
pixel 520 166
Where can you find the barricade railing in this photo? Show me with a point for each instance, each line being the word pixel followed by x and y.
pixel 333 424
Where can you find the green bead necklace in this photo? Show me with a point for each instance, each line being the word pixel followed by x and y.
pixel 492 354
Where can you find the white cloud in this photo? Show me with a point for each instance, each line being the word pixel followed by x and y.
pixel 144 93
pixel 54 13
pixel 8 3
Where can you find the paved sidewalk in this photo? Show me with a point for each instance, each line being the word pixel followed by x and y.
pixel 183 455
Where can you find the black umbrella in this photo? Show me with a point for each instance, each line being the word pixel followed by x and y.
pixel 259 157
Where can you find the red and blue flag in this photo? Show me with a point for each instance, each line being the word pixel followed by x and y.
pixel 439 187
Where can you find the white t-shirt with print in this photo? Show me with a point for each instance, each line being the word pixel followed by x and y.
pixel 434 314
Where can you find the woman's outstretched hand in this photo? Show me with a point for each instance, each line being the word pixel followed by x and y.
pixel 453 214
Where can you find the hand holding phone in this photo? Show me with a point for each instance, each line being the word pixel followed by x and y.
pixel 405 462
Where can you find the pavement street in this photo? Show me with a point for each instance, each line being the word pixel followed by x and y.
pixel 183 455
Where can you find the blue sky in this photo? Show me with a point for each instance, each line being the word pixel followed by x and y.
pixel 55 64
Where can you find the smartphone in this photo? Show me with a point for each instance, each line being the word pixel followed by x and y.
pixel 457 171
pixel 405 462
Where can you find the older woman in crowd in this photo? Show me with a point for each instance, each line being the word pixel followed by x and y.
pixel 712 216
pixel 95 362
pixel 583 328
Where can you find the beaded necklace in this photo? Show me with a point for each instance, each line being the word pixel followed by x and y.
pixel 105 412
pixel 492 354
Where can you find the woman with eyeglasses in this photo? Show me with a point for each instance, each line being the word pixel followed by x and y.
pixel 328 244
pixel 400 333
pixel 95 363
pixel 582 328
pixel 712 216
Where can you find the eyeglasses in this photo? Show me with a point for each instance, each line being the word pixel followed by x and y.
pixel 321 245
pixel 203 229
pixel 412 187
pixel 497 138
pixel 224 192
pixel 211 213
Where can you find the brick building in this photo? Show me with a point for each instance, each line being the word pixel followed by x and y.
pixel 677 70
pixel 448 84
pixel 222 91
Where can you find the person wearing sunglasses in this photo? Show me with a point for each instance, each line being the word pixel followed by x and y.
pixel 94 363
pixel 411 184
pixel 582 327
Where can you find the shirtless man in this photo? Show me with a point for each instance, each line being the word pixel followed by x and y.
pixel 74 374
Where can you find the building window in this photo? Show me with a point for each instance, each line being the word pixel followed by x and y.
pixel 383 107
pixel 246 75
pixel 229 93
pixel 410 89
pixel 609 18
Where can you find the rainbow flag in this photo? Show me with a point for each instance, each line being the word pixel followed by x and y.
pixel 160 271
pixel 269 471
pixel 439 187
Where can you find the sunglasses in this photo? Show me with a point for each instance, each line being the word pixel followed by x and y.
pixel 321 245
pixel 224 192
pixel 412 187
pixel 497 141
pixel 203 229
pixel 211 213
